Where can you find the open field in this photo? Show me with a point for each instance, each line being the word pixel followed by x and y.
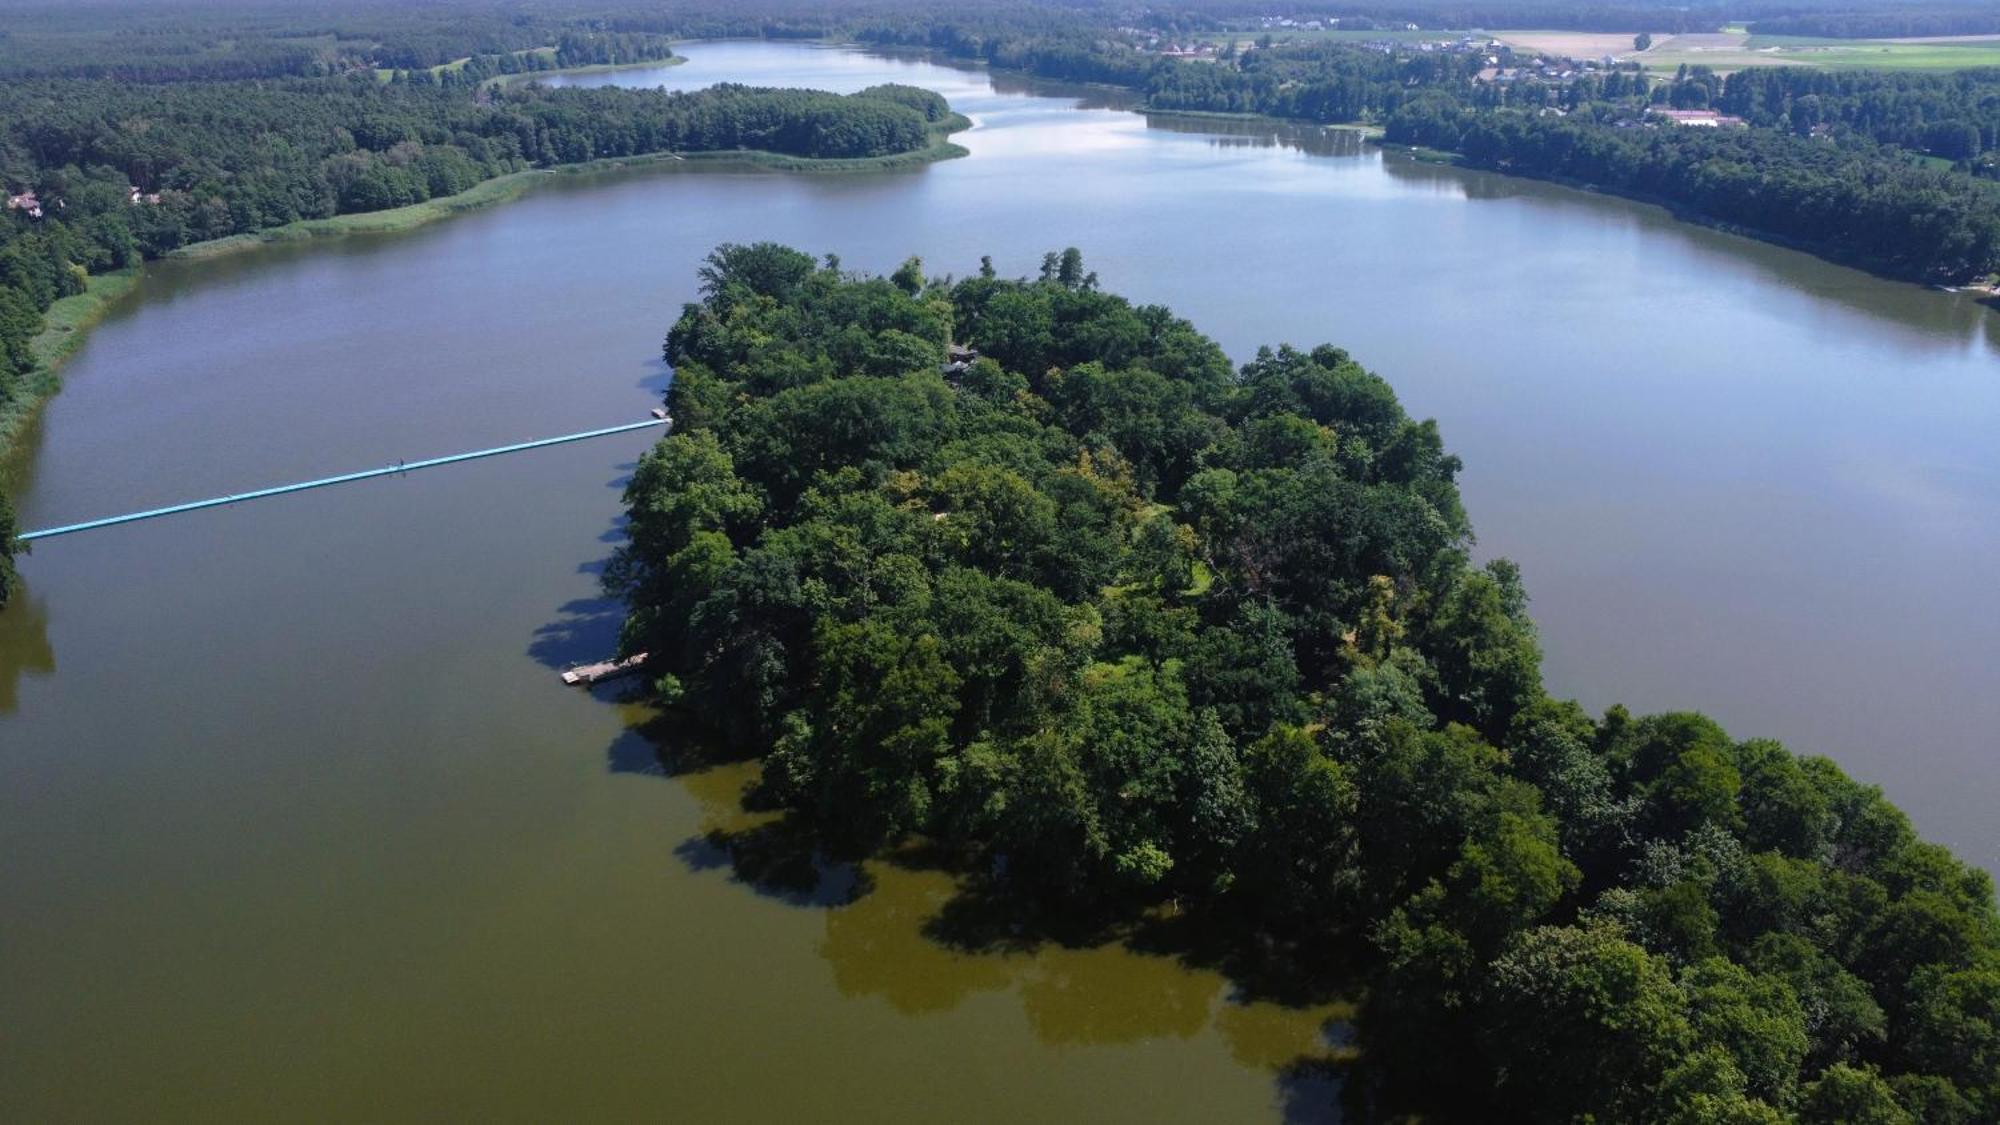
pixel 385 73
pixel 1575 44
pixel 1736 50
pixel 1733 49
pixel 1994 39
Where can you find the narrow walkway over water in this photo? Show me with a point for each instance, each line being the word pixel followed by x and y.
pixel 344 478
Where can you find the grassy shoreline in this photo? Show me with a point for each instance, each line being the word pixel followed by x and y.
pixel 64 327
pixel 503 189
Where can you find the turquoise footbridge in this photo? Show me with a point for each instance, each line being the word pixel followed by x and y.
pixel 344 478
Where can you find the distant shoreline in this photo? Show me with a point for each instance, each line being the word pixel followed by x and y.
pixel 511 186
pixel 1682 212
pixel 68 322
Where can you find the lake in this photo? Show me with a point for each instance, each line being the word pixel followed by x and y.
pixel 297 821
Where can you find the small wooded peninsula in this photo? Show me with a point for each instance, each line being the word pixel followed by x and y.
pixel 1032 578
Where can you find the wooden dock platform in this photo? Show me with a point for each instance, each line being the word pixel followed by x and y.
pixel 588 674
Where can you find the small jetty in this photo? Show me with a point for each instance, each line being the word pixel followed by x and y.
pixel 588 674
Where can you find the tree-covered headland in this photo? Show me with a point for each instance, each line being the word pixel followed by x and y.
pixel 1110 624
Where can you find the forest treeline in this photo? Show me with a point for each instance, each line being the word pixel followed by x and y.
pixel 205 42
pixel 1908 220
pixel 1110 624
pixel 213 159
pixel 1891 21
pixel 1831 161
pixel 118 173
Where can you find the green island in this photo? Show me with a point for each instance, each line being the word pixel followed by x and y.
pixel 1016 578
pixel 1016 587
pixel 191 132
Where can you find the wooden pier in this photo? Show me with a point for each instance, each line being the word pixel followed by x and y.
pixel 588 674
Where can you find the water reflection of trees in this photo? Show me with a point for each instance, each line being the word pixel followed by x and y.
pixel 1929 320
pixel 911 932
pixel 24 645
pixel 1255 132
pixel 1087 96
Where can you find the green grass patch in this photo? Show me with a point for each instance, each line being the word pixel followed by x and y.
pixel 1202 579
pixel 485 194
pixel 67 319
pixel 1420 152
pixel 384 74
pixel 1671 53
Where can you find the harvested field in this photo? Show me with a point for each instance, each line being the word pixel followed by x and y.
pixel 1574 44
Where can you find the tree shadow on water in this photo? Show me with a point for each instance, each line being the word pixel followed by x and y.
pixel 1314 1092
pixel 986 916
pixel 765 851
pixel 24 645
pixel 633 752
pixel 777 861
pixel 659 376
pixel 586 630
pixel 923 929
pixel 617 484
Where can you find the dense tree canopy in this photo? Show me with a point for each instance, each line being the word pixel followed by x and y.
pixel 1111 622
pixel 1885 21
pixel 1916 222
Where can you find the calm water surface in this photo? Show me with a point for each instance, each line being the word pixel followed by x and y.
pixel 296 821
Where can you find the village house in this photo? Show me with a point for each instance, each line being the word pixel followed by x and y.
pixel 1700 118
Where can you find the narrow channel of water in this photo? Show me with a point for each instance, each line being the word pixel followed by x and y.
pixel 295 819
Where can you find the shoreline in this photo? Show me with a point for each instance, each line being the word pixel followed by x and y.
pixel 1682 213
pixel 1366 129
pixel 1988 292
pixel 65 326
pixel 67 323
pixel 512 185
